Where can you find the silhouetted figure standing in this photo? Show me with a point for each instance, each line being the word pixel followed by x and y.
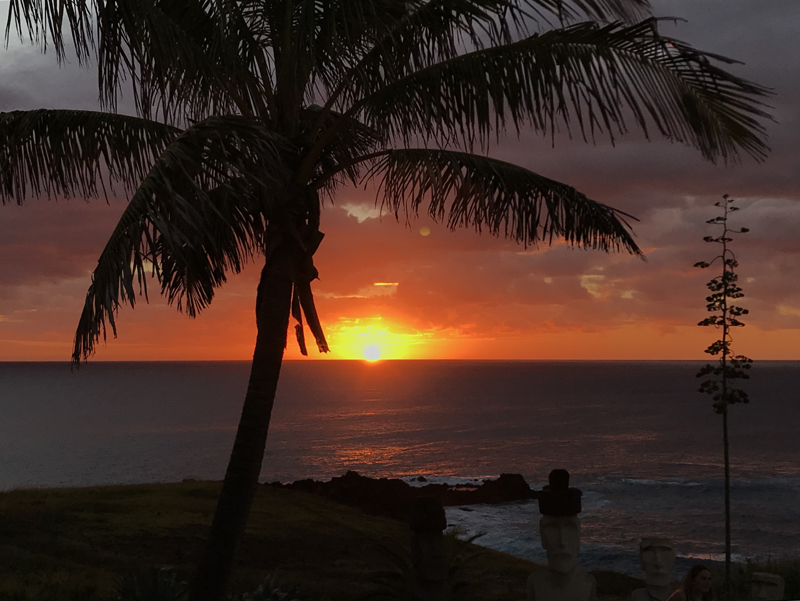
pixel 696 586
pixel 428 553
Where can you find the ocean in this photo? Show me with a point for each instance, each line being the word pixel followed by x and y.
pixel 638 439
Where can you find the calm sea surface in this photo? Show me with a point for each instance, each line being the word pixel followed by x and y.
pixel 638 439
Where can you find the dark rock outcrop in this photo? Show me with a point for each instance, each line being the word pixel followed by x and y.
pixel 508 487
pixel 395 498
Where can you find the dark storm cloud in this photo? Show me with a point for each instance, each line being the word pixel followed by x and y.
pixel 49 240
pixel 11 98
pixel 29 80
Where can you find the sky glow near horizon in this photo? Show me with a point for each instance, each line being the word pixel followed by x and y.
pixel 418 291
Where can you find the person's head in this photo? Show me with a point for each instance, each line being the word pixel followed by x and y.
pixel 561 538
pixel 766 587
pixel 658 558
pixel 698 582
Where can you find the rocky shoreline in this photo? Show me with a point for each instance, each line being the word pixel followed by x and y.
pixel 394 498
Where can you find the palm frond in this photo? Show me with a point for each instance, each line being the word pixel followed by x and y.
pixel 338 161
pixel 201 211
pixel 608 10
pixel 44 22
pixel 75 153
pixel 425 34
pixel 599 76
pixel 182 56
pixel 467 190
pixel 428 33
pixel 338 33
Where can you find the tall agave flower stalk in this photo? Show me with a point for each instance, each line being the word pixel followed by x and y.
pixel 725 316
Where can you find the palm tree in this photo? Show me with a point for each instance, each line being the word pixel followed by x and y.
pixel 228 155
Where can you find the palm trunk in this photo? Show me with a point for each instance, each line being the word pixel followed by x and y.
pixel 241 478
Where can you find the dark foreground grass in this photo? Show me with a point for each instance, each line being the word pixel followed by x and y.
pixel 72 544
pixel 76 544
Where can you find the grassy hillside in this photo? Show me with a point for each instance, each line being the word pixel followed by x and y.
pixel 77 543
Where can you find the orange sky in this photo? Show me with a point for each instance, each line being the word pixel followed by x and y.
pixel 442 295
pixel 459 295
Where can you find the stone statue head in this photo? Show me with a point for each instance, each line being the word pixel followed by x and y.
pixel 558 498
pixel 561 538
pixel 766 587
pixel 559 527
pixel 658 558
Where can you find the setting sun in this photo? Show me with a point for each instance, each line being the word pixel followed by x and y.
pixel 372 353
pixel 374 338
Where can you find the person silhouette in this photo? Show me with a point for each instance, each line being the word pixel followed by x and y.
pixel 696 586
pixel 428 553
pixel 560 532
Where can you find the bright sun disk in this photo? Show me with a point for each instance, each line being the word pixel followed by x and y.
pixel 372 353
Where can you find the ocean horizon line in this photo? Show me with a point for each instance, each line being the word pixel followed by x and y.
pixel 396 360
pixel 393 360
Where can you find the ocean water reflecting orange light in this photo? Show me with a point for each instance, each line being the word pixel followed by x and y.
pixel 373 455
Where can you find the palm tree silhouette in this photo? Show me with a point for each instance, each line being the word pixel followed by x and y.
pixel 247 111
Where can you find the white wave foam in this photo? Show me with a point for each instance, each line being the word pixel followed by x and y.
pixel 449 480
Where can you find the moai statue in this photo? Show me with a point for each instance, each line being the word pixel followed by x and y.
pixel 560 531
pixel 658 558
pixel 766 587
pixel 428 553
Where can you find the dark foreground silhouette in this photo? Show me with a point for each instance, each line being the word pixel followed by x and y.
pixel 394 498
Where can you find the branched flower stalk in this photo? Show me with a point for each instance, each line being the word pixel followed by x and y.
pixel 725 315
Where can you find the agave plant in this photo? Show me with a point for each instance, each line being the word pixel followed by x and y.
pixel 250 113
pixel 399 581
pixel 152 584
pixel 270 590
